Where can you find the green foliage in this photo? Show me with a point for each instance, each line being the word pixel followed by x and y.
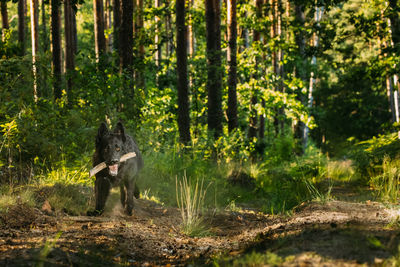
pixel 251 259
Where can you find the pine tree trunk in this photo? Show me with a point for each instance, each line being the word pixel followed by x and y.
pixel 157 39
pixel 56 47
pixel 232 61
pixel 125 33
pixel 100 40
pixel 139 73
pixel 214 77
pixel 35 44
pixel 183 90
pixel 4 15
pixel 253 127
pixel 69 43
pixel 21 26
pixel 116 23
pixel 45 39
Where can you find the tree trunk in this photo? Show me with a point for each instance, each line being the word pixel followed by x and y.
pixel 116 24
pixel 168 47
pixel 232 61
pixel 157 39
pixel 45 39
pixel 214 77
pixel 300 70
pixel 318 15
pixel 100 40
pixel 107 25
pixel 126 36
pixel 69 43
pixel 21 26
pixel 181 57
pixel 4 17
pixel 35 44
pixel 56 47
pixel 253 121
pixel 139 73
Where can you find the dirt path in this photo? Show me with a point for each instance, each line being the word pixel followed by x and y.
pixel 331 234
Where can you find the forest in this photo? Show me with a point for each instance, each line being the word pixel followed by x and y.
pixel 269 132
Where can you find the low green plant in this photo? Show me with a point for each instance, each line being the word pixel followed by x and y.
pixel 47 248
pixel 190 199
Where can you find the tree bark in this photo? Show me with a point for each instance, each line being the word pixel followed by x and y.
pixel 116 24
pixel 214 77
pixel 126 37
pixel 69 43
pixel 45 39
pixel 232 61
pixel 253 121
pixel 100 40
pixel 56 48
pixel 35 44
pixel 4 17
pixel 21 26
pixel 157 39
pixel 139 73
pixel 181 57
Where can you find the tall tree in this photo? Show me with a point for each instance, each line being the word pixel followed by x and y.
pixel 56 47
pixel 140 36
pixel 45 40
pixel 317 17
pixel 126 36
pixel 21 26
pixel 300 38
pixel 214 70
pixel 232 61
pixel 253 112
pixel 4 15
pixel 116 23
pixel 35 43
pixel 157 37
pixel 181 57
pixel 69 42
pixel 100 40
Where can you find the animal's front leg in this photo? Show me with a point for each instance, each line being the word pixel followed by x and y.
pixel 102 190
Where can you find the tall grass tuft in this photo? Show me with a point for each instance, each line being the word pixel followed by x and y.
pixel 387 184
pixel 190 199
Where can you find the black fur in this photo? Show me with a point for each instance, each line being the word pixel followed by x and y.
pixel 110 146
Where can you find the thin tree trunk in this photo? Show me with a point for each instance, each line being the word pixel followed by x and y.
pixel 157 39
pixel 35 44
pixel 253 112
pixel 107 25
pixel 69 44
pixel 318 15
pixel 125 33
pixel 139 73
pixel 232 61
pixel 21 26
pixel 214 77
pixel 181 57
pixel 168 47
pixel 100 40
pixel 56 48
pixel 116 24
pixel 4 18
pixel 300 69
pixel 45 39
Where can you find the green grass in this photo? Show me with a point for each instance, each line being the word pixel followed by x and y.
pixel 190 200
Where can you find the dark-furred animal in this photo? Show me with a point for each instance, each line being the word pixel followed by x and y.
pixel 110 146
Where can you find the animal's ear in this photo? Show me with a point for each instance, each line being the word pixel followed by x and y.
pixel 103 131
pixel 120 131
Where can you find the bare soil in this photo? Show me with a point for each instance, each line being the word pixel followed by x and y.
pixel 336 233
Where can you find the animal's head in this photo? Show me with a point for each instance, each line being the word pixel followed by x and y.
pixel 109 146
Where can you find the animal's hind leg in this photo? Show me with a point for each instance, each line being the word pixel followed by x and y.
pixel 130 189
pixel 123 195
